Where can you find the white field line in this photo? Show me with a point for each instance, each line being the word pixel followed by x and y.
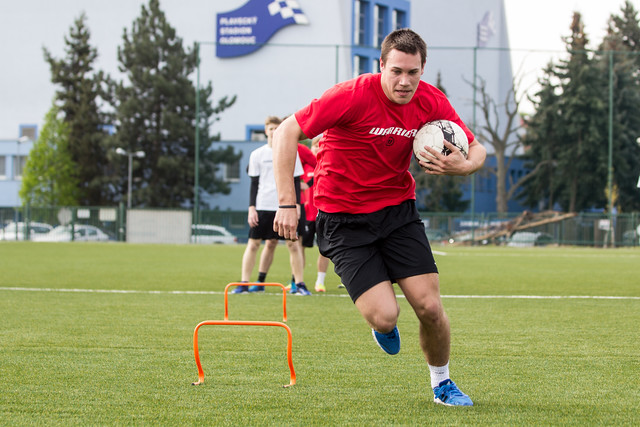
pixel 133 291
pixel 515 254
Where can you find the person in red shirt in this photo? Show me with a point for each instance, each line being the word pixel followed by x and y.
pixel 311 211
pixel 367 223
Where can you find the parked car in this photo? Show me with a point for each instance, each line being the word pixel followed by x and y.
pixel 631 237
pixel 16 231
pixel 82 233
pixel 207 233
pixel 529 238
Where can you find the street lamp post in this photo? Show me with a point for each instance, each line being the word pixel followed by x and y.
pixel 129 154
pixel 18 163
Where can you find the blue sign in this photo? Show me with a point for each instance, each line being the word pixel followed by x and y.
pixel 248 28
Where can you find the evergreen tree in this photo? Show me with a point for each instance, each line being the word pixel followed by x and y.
pixel 438 193
pixel 583 114
pixel 80 97
pixel 156 114
pixel 623 39
pixel 49 178
pixel 625 29
pixel 574 119
pixel 542 142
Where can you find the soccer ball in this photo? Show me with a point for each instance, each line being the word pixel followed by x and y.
pixel 433 135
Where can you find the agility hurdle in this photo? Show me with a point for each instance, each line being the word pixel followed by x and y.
pixel 228 322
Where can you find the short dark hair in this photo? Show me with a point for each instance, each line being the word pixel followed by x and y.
pixel 405 40
pixel 272 120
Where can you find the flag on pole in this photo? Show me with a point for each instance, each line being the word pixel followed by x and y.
pixel 486 29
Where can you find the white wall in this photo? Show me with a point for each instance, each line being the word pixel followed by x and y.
pixel 274 80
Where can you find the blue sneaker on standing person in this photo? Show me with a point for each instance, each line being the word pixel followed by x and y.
pixel 291 287
pixel 447 393
pixel 301 289
pixel 389 342
pixel 244 289
pixel 262 276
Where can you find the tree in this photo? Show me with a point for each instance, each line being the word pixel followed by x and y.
pixel 623 43
pixel 504 138
pixel 583 109
pixel 82 93
pixel 49 175
pixel 624 28
pixel 438 193
pixel 156 114
pixel 541 142
pixel 574 118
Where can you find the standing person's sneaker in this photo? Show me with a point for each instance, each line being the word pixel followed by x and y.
pixel 256 288
pixel 320 287
pixel 240 290
pixel 448 393
pixel 292 288
pixel 389 342
pixel 302 289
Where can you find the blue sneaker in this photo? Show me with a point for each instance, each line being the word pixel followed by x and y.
pixel 256 288
pixel 293 289
pixel 301 289
pixel 240 290
pixel 448 393
pixel 389 342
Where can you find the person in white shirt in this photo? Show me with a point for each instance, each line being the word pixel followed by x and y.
pixel 263 204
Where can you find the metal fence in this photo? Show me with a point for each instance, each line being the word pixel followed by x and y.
pixel 524 229
pixel 529 229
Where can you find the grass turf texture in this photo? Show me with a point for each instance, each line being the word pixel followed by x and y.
pixel 127 358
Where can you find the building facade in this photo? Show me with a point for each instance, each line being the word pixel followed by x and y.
pixel 339 40
pixel 276 56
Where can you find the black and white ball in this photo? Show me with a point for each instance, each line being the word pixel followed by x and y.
pixel 433 134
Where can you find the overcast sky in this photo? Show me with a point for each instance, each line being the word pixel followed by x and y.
pixel 535 30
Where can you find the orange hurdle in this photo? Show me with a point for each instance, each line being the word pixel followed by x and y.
pixel 226 321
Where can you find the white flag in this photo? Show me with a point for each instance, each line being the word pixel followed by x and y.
pixel 486 29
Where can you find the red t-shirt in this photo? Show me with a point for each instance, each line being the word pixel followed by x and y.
pixel 367 143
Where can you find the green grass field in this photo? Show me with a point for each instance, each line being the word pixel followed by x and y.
pixel 102 334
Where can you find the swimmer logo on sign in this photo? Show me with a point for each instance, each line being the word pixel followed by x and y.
pixel 246 29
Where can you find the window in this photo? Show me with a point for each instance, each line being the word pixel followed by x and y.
pixel 232 171
pixel 380 24
pixel 360 65
pixel 28 131
pixel 3 167
pixel 399 19
pixel 360 31
pixel 258 135
pixel 255 133
pixel 18 166
pixel 375 65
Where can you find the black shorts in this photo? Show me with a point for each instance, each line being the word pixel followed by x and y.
pixel 309 234
pixel 264 229
pixel 367 249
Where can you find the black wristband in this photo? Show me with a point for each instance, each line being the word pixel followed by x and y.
pixel 287 206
